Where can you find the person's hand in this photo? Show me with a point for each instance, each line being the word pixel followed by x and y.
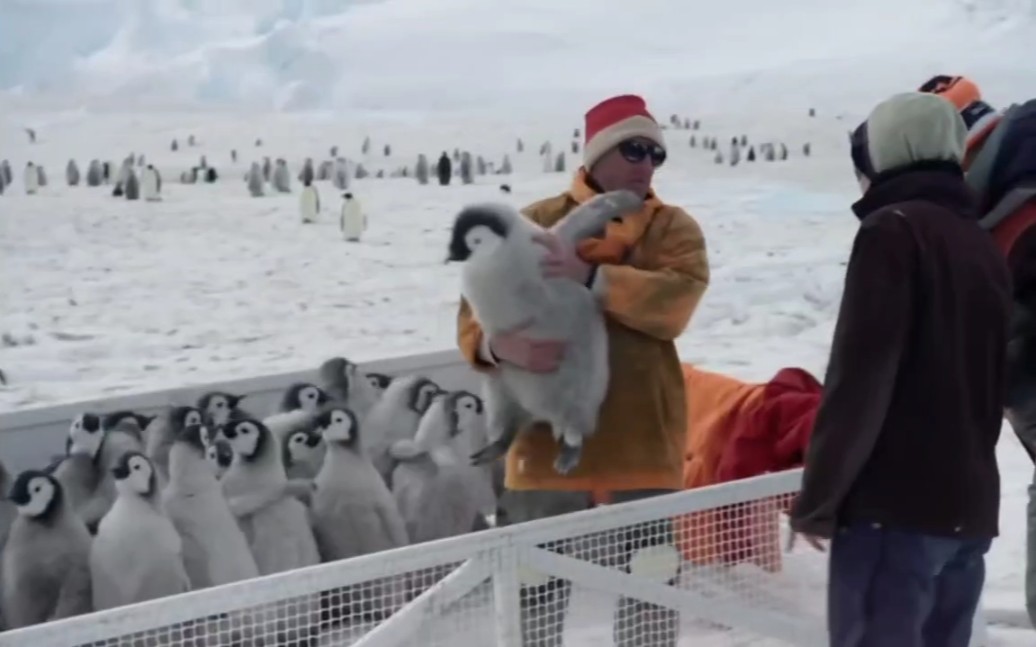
pixel 535 355
pixel 561 261
pixel 816 542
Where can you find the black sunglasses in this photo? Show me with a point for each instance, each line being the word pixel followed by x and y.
pixel 634 152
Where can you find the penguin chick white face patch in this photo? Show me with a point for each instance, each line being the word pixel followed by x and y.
pixel 425 394
pixel 309 398
pixel 339 427
pixel 218 409
pixel 244 437
pixel 134 475
pixel 468 409
pixel 480 239
pixel 41 492
pixel 85 435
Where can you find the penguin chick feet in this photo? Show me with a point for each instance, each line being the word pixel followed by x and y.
pixel 568 458
pixel 490 452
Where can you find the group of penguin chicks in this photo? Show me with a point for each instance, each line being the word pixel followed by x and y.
pixel 140 507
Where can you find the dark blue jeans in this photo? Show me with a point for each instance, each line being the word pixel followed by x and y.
pixel 894 588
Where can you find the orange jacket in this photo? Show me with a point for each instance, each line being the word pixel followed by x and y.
pixel 648 302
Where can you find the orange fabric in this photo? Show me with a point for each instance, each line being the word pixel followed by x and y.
pixel 619 237
pixel 1006 234
pixel 960 91
pixel 648 301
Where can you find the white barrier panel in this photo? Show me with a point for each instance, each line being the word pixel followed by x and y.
pixel 30 437
pixel 734 587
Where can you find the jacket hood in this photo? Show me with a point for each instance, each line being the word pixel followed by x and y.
pixel 910 128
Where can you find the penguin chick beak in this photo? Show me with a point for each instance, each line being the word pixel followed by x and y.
pixel 120 472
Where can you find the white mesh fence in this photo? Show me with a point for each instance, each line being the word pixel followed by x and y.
pixel 702 567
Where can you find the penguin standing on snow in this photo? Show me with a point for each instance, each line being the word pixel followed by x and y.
pixel 32 179
pixel 137 554
pixel 309 199
pixel 255 180
pixel 72 174
pixel 281 179
pixel 152 184
pixel 352 222
pixel 94 173
pixel 46 563
pixel 444 169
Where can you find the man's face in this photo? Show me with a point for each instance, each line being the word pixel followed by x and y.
pixel 630 165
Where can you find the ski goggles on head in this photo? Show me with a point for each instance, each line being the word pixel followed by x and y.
pixel 858 149
pixel 960 91
pixel 636 151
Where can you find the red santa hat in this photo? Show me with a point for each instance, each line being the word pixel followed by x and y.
pixel 615 120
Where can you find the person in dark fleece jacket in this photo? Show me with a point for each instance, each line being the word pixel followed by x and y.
pixel 901 469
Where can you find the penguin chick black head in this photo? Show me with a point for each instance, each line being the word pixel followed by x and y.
pixel 338 425
pixel 337 372
pixel 463 407
pixel 220 454
pixel 479 228
pixel 250 439
pixel 85 436
pixel 134 475
pixel 301 445
pixel 218 406
pixel 422 392
pixel 196 437
pixel 305 396
pixel 379 381
pixel 119 419
pixel 36 494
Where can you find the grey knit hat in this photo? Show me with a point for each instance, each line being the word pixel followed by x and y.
pixel 906 129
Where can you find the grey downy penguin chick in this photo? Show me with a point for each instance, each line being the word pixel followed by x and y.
pixel 129 422
pixel 94 173
pixel 305 396
pixel 309 202
pixel 345 383
pixel 215 550
pixel 46 561
pixel 220 407
pixel 41 175
pixel 281 179
pixel 275 523
pixel 439 492
pixel 137 554
pixel 353 513
pixel 394 417
pixel 92 450
pixel 255 180
pixel 132 185
pixel 163 431
pixel 72 175
pixel 503 282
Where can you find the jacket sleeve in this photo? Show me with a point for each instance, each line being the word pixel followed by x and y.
pixel 659 300
pixel 869 341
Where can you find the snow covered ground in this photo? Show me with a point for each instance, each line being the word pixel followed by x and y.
pixel 101 296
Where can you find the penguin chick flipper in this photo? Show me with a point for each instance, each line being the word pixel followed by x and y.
pixel 492 452
pixel 242 505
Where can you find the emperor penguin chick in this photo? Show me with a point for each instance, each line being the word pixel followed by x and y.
pixel 502 281
pixel 220 407
pixel 215 550
pixel 46 562
pixel 353 513
pixel 275 523
pixel 137 554
pixel 303 453
pixel 303 395
pixel 163 431
pixel 395 417
pixel 345 383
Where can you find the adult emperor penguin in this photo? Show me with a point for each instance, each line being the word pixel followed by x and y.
pixel 151 184
pixel 353 222
pixel 46 561
pixel 137 554
pixel 309 201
